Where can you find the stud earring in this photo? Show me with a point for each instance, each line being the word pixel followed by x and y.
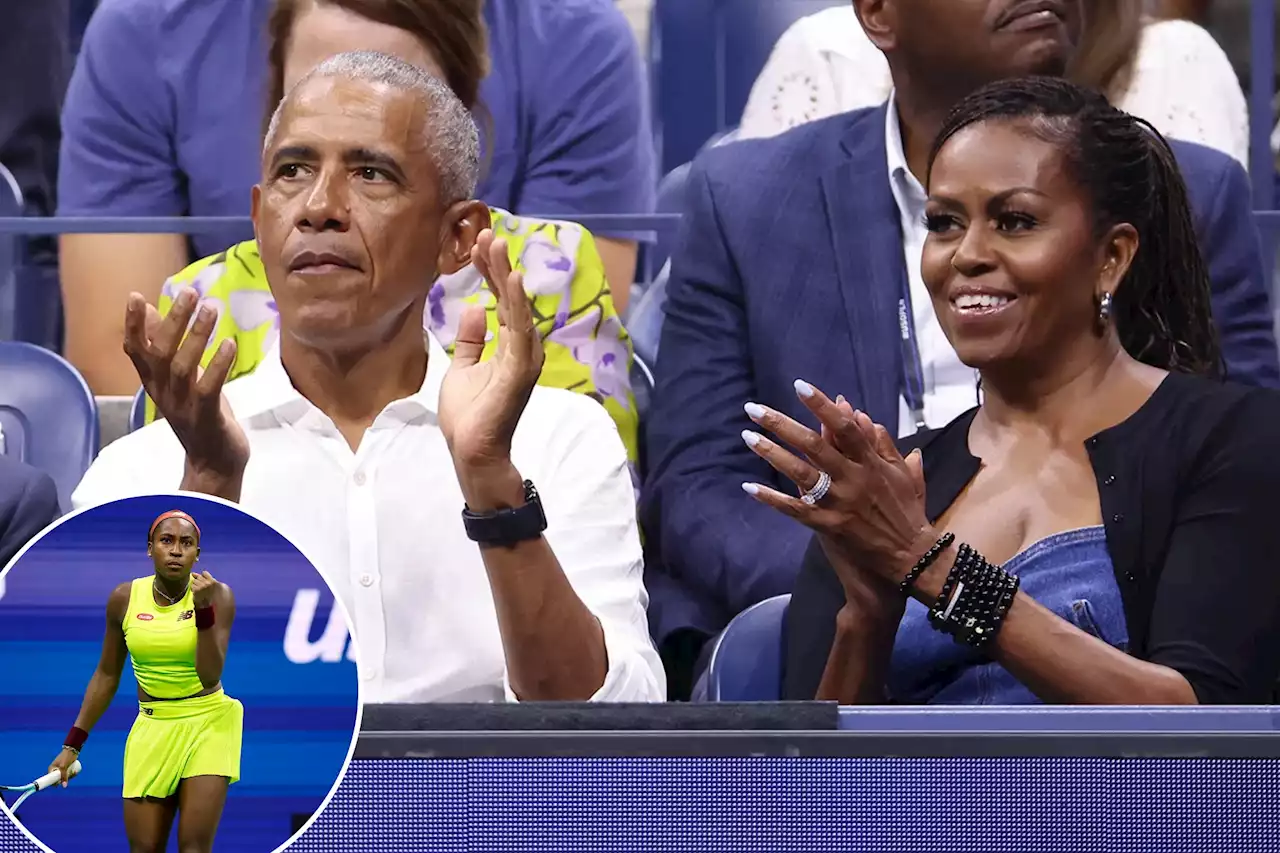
pixel 1104 308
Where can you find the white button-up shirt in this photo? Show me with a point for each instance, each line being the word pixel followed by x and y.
pixel 950 388
pixel 383 525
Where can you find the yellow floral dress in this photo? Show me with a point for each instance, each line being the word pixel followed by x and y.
pixel 587 349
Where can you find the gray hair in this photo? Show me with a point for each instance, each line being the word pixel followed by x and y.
pixel 453 141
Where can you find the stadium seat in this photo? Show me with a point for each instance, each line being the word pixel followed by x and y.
pixel 138 412
pixel 746 658
pixel 30 298
pixel 671 191
pixel 47 413
pixel 645 321
pixel 704 56
pixel 10 205
pixel 641 385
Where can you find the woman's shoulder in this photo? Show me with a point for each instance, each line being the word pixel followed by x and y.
pixel 1199 398
pixel 1183 82
pixel 1199 420
pixel 239 262
pixel 121 599
pixel 831 30
pixel 1180 51
pixel 1178 34
pixel 126 588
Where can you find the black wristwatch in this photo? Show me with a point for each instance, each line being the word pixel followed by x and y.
pixel 507 526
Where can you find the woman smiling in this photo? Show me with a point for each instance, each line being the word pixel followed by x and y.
pixel 1097 531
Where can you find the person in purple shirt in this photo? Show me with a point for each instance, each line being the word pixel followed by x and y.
pixel 165 111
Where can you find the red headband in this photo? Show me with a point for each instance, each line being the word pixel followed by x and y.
pixel 173 513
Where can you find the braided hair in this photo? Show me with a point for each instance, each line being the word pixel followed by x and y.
pixel 1162 307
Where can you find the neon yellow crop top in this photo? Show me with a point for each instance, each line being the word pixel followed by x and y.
pixel 162 643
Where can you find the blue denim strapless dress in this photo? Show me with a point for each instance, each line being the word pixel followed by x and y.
pixel 1069 573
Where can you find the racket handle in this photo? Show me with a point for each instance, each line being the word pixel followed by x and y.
pixel 54 777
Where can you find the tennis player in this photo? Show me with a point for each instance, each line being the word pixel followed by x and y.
pixel 184 748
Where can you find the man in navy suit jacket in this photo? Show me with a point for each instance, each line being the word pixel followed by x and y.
pixel 28 504
pixel 791 265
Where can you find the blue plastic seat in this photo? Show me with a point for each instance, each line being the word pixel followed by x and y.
pixel 138 411
pixel 641 385
pixel 745 663
pixel 10 205
pixel 704 57
pixel 671 190
pixel 645 323
pixel 48 414
pixel 30 297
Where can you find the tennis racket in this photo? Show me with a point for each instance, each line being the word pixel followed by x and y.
pixel 48 780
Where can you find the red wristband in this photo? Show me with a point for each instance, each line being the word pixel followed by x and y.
pixel 204 617
pixel 76 738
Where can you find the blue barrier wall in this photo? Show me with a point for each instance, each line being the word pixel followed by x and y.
pixel 300 709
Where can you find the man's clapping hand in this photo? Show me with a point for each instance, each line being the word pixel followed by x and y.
pixel 167 358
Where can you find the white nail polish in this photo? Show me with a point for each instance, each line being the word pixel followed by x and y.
pixel 751 489
pixel 804 389
pixel 751 438
pixel 754 411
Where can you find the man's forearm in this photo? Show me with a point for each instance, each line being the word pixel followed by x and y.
pixel 553 644
pixel 196 478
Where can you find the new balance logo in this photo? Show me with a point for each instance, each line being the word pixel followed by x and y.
pixel 187 615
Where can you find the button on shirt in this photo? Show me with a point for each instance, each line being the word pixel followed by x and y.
pixel 383 525
pixel 950 387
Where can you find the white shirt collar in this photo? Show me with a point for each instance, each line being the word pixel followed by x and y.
pixel 908 192
pixel 899 171
pixel 893 139
pixel 269 390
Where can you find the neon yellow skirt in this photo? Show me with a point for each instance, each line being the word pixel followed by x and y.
pixel 181 738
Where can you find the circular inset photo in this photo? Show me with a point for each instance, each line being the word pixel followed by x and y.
pixel 166 684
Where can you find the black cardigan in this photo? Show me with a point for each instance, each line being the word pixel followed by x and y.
pixel 1190 492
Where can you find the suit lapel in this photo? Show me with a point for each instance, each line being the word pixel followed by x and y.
pixel 867 240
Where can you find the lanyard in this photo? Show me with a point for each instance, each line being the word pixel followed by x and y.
pixel 912 371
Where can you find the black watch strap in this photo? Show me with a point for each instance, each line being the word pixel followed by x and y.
pixel 507 526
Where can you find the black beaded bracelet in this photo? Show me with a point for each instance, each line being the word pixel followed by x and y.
pixel 930 557
pixel 975 600
pixel 940 612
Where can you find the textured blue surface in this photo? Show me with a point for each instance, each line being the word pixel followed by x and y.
pixel 780 805
pixel 299 716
